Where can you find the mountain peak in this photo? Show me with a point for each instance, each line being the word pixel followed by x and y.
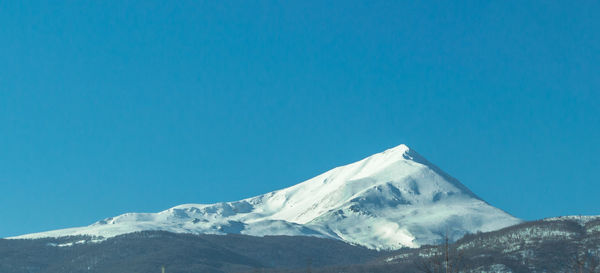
pixel 402 148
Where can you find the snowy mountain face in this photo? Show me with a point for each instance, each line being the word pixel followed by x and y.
pixel 389 200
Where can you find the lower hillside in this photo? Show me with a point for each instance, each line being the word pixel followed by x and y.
pixel 564 244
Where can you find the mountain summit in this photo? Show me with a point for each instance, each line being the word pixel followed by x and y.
pixel 389 200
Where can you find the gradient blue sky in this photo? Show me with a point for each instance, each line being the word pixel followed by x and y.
pixel 109 107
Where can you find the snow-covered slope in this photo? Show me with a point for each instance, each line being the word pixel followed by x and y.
pixel 389 200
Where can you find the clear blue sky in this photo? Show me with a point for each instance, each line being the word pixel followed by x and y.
pixel 110 107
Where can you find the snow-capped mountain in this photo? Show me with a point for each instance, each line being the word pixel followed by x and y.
pixel 389 200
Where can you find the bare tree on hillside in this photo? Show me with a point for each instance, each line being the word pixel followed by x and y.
pixel 442 259
pixel 584 261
